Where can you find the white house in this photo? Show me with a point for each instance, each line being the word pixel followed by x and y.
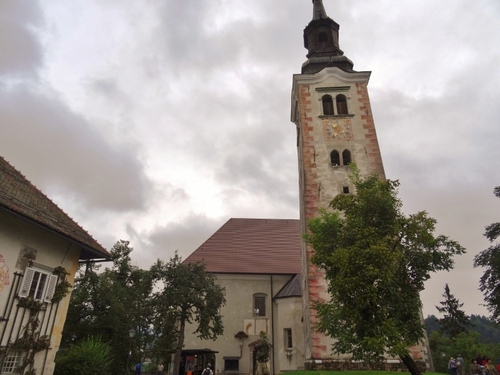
pixel 40 248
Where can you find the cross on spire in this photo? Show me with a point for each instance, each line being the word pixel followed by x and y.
pixel 319 11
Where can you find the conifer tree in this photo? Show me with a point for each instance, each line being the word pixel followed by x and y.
pixel 454 320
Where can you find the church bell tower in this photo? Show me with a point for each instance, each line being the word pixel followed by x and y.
pixel 335 127
pixel 331 110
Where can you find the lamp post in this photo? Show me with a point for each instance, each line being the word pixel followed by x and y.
pixel 131 334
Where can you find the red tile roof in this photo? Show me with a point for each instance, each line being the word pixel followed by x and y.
pixel 252 246
pixel 20 196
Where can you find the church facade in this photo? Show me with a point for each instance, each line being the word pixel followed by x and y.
pixel 330 108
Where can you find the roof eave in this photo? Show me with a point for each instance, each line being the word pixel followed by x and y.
pixel 99 253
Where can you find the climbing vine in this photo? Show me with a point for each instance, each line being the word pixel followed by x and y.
pixel 31 342
pixel 63 286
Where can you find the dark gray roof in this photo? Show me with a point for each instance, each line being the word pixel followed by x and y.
pixel 292 288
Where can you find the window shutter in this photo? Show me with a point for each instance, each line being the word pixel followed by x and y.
pixel 26 284
pixel 51 288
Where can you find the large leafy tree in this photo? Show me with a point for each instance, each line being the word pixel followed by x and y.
pixel 489 283
pixel 454 320
pixel 108 304
pixel 188 294
pixel 375 260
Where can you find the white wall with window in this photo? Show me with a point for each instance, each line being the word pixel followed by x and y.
pixel 29 254
pixel 38 284
pixel 250 309
pixel 290 345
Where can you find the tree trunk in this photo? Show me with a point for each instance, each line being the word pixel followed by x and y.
pixel 178 350
pixel 410 364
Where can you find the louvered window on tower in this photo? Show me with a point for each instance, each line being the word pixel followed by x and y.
pixel 259 305
pixel 327 102
pixel 341 104
pixel 335 158
pixel 38 285
pixel 346 157
pixel 323 37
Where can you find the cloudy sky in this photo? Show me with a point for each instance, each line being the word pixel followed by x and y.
pixel 156 121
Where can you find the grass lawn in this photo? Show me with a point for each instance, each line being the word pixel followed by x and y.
pixel 367 372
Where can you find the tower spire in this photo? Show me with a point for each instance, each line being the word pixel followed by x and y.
pixel 321 38
pixel 318 10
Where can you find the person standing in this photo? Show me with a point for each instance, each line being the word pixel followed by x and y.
pixel 490 368
pixel 452 366
pixel 160 369
pixel 460 365
pixel 475 369
pixel 138 368
pixel 208 370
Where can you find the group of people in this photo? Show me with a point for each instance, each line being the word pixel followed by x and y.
pixel 138 369
pixel 479 366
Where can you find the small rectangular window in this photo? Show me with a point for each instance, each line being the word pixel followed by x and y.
pixel 345 189
pixel 259 305
pixel 231 364
pixel 287 334
pixel 10 363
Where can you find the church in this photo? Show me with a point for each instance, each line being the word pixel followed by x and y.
pixel 264 264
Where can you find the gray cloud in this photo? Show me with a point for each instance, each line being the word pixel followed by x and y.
pixel 21 50
pixel 159 107
pixel 60 152
pixel 183 236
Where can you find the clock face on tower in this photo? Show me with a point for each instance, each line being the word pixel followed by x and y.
pixel 337 129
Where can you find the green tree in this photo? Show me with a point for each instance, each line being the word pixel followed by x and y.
pixel 431 324
pixel 108 304
pixel 263 351
pixel 89 357
pixel 466 344
pixel 376 260
pixel 454 320
pixel 489 283
pixel 188 295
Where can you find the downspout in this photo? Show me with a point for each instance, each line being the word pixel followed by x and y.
pixel 272 325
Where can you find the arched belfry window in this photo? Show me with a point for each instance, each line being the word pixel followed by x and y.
pixel 327 105
pixel 335 158
pixel 322 37
pixel 341 104
pixel 346 157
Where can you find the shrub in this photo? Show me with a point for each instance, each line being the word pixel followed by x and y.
pixel 88 357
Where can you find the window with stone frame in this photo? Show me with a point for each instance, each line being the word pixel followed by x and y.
pixel 346 157
pixel 327 102
pixel 287 336
pixel 231 364
pixel 259 304
pixel 341 101
pixel 335 158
